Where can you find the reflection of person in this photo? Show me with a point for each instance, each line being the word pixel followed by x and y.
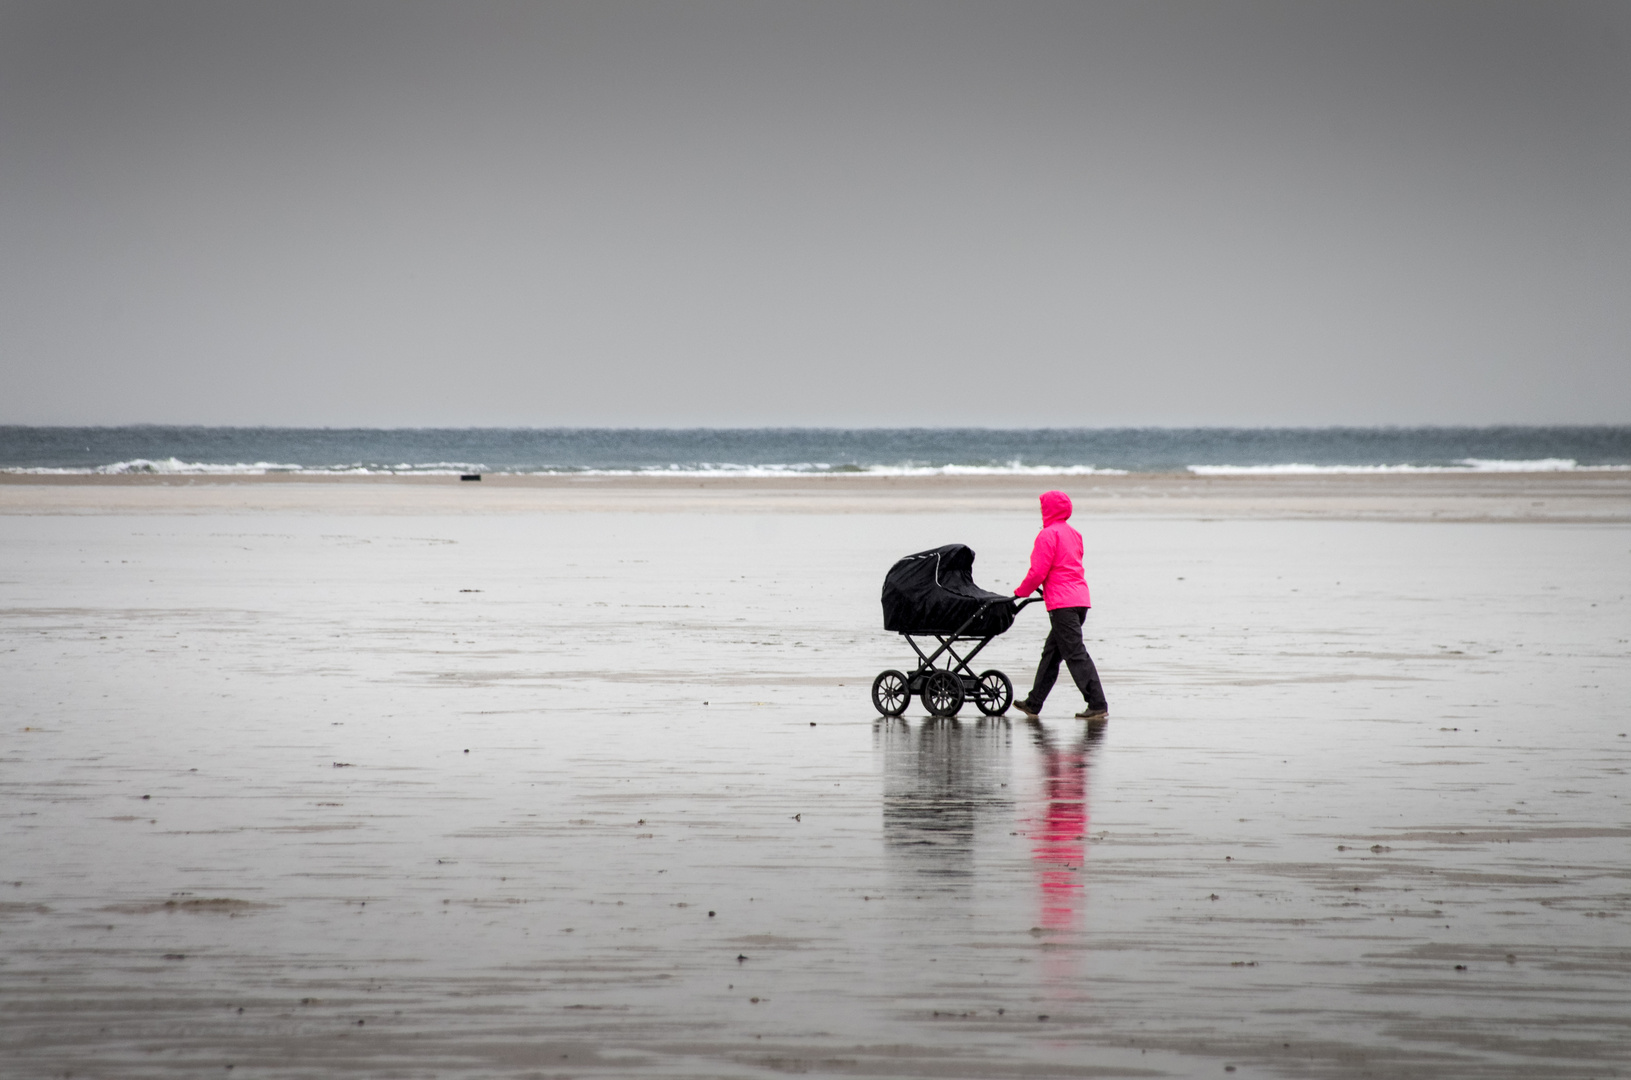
pixel 1056 565
pixel 1059 831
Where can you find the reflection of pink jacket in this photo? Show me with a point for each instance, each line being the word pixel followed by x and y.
pixel 1056 560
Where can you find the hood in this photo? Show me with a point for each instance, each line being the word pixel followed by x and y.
pixel 1055 507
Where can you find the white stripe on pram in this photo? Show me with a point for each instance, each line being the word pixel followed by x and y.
pixel 936 556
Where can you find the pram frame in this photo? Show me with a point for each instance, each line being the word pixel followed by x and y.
pixel 958 665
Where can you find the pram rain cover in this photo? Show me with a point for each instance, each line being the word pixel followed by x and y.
pixel 933 592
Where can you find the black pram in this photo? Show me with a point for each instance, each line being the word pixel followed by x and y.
pixel 932 594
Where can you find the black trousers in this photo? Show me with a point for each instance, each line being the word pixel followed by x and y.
pixel 1065 643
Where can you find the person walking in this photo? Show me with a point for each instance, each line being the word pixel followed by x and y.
pixel 1056 566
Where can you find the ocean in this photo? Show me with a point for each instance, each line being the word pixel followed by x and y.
pixel 809 451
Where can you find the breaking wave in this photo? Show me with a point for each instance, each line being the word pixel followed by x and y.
pixel 176 467
pixel 806 452
pixel 1465 465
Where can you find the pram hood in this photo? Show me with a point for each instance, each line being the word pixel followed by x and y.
pixel 933 592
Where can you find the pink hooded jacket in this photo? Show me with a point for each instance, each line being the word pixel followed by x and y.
pixel 1056 559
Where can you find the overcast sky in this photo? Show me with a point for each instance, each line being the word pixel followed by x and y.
pixel 879 213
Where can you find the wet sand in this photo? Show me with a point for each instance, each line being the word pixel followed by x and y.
pixel 413 779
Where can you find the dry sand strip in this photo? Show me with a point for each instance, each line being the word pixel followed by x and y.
pixel 1583 497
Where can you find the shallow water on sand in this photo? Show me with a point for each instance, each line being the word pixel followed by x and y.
pixel 603 794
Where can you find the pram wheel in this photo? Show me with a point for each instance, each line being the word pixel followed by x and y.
pixel 942 694
pixel 891 693
pixel 994 693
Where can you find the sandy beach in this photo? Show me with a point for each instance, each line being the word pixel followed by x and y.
pixel 554 777
pixel 1580 497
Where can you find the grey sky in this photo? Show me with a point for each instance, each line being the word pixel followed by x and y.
pixel 881 213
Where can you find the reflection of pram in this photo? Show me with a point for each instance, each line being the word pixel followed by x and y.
pixel 932 594
pixel 945 794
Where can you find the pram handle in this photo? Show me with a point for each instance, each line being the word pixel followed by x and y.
pixel 1019 605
